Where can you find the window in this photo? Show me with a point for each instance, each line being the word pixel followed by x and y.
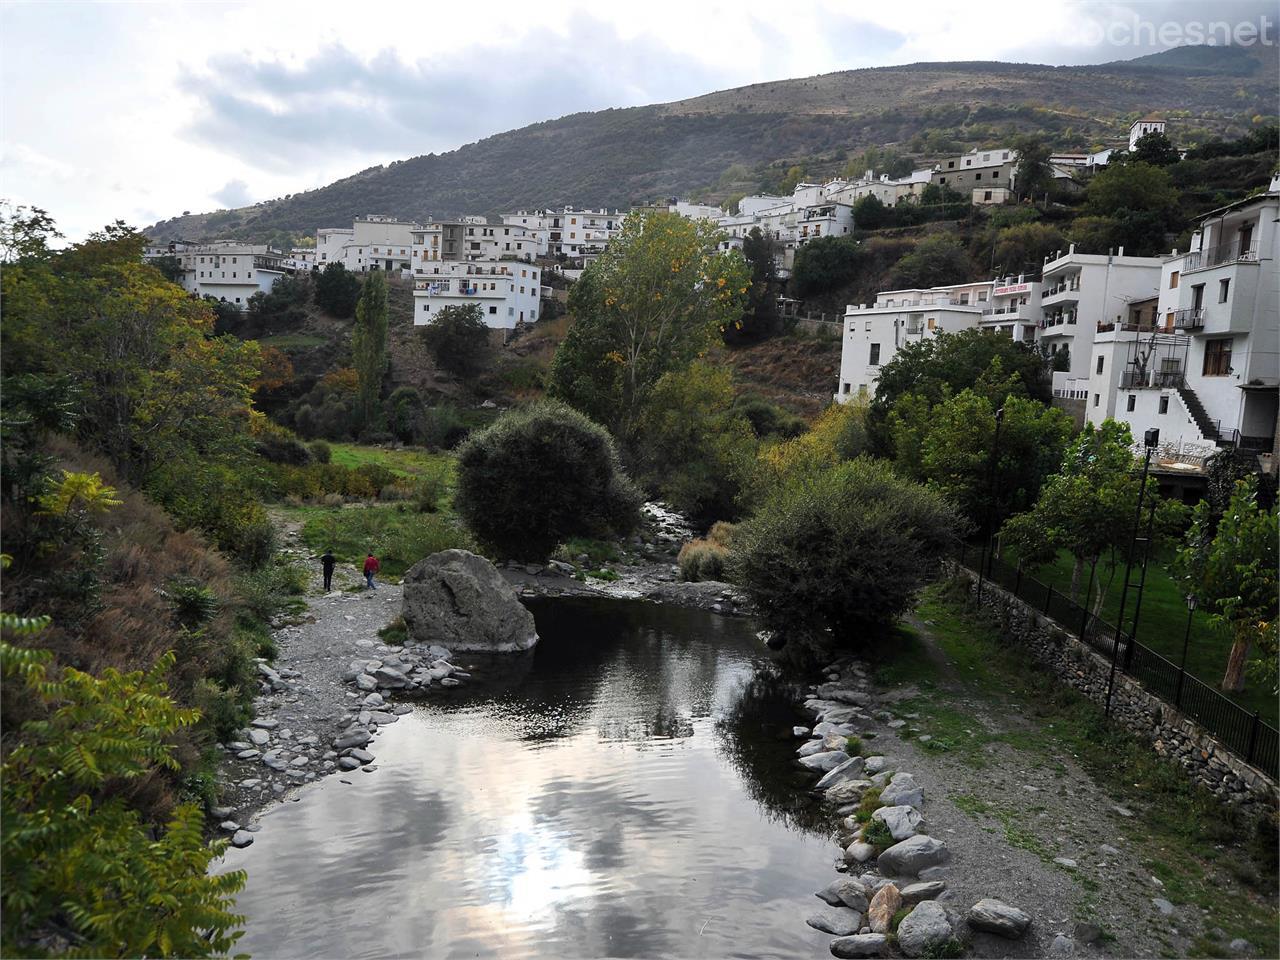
pixel 1100 362
pixel 874 360
pixel 986 195
pixel 1173 280
pixel 426 307
pixel 1133 402
pixel 1197 296
pixel 1217 358
pixel 493 309
pixel 1096 398
pixel 978 175
pixel 1224 290
pixel 844 388
pixel 1164 404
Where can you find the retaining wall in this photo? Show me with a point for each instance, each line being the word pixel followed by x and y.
pixel 1170 733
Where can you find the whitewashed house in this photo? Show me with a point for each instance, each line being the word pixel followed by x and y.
pixel 506 291
pixel 225 270
pixel 372 243
pixel 1140 128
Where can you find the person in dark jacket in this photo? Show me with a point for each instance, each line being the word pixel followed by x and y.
pixel 327 563
pixel 371 566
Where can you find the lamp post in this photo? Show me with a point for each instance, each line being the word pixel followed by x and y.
pixel 1142 583
pixel 1186 639
pixel 995 481
pixel 1151 440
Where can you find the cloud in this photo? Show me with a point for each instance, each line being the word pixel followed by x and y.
pixel 235 193
pixel 275 115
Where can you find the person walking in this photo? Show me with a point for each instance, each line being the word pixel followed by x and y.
pixel 371 566
pixel 327 562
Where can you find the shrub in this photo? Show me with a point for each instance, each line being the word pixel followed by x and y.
pixel 876 833
pixel 853 746
pixel 431 488
pixel 457 337
pixel 280 447
pixel 442 427
pixel 540 475
pixel 321 452
pixel 701 560
pixel 842 549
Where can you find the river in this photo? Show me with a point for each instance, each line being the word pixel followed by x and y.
pixel 627 790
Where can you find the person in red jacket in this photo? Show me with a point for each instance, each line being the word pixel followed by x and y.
pixel 371 566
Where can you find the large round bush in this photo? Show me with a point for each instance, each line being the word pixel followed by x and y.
pixel 539 476
pixel 842 549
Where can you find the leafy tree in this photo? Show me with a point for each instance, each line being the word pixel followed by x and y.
pixel 825 265
pixel 81 868
pixel 25 233
pixel 1032 176
pixel 839 434
pixel 1022 248
pixel 760 318
pixel 539 476
pixel 337 291
pixel 952 444
pixel 1137 187
pixel 369 350
pixel 693 448
pixel 870 213
pixel 1231 566
pixel 170 267
pixel 1153 148
pixel 282 308
pixel 944 203
pixel 227 317
pixel 842 550
pixel 404 413
pixel 936 261
pixel 652 303
pixel 457 337
pixel 1087 509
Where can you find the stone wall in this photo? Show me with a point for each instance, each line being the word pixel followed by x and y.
pixel 821 328
pixel 1171 734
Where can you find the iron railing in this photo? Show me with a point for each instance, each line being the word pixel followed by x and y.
pixel 1218 255
pixel 1242 732
pixel 1192 318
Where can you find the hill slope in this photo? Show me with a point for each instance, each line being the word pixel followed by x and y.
pixel 617 157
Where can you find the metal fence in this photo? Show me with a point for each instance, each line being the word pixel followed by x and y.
pixel 1245 734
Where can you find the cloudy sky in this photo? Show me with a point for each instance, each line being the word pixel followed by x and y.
pixel 140 110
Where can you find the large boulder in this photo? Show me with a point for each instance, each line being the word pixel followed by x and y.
pixel 884 905
pixel 845 892
pixel 995 916
pixel 902 821
pixel 839 921
pixel 924 929
pixel 459 600
pixel 902 791
pixel 908 858
pixel 860 945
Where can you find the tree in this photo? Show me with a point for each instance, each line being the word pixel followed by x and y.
pixel 652 303
pixel 170 267
pixel 870 213
pixel 25 233
pixel 1137 187
pixel 1231 566
pixel 951 448
pixel 539 476
pixel 1032 176
pixel 1153 148
pixel 1088 508
pixel 369 349
pixel 457 337
pixel 693 448
pixel 936 261
pixel 1023 248
pixel 80 866
pixel 404 413
pixel 337 291
pixel 842 550
pixel 760 318
pixel 825 265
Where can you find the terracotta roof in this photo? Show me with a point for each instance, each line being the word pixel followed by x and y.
pixel 1149 118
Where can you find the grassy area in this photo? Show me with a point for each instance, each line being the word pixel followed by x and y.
pixel 398 535
pixel 1162 624
pixel 1204 857
pixel 406 461
pixel 293 341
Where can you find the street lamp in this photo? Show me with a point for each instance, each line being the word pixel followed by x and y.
pixel 995 484
pixel 1151 440
pixel 1186 638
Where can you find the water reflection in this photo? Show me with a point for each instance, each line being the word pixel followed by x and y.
pixel 607 797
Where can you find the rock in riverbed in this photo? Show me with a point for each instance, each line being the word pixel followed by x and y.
pixel 461 601
pixel 902 821
pixel 884 905
pixel 912 855
pixel 845 892
pixel 997 917
pixel 923 929
pixel 861 945
pixel 840 921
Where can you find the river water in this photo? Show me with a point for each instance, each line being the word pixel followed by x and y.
pixel 628 790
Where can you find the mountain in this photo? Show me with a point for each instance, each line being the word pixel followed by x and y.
pixel 737 140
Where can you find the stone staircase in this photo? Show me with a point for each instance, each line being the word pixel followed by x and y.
pixel 1207 426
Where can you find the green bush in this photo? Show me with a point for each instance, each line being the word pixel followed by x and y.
pixel 537 477
pixel 321 452
pixel 842 550
pixel 876 833
pixel 431 488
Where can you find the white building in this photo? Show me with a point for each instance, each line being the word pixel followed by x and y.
pixel 1080 293
pixel 506 291
pixel 225 270
pixel 874 334
pixel 371 243
pixel 1014 309
pixel 1140 128
pixel 1204 366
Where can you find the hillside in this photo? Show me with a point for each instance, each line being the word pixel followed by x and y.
pixel 616 157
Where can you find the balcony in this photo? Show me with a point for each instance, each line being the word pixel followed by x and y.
pixel 1218 255
pixel 1058 320
pixel 1151 380
pixel 1070 285
pixel 1191 318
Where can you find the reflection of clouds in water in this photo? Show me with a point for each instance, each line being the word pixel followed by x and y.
pixel 590 810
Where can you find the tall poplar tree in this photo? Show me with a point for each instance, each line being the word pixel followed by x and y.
pixel 369 349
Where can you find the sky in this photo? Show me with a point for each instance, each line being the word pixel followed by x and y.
pixel 141 110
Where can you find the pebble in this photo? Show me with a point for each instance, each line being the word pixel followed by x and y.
pixel 229 825
pixel 242 838
pixel 1065 862
pixel 1164 906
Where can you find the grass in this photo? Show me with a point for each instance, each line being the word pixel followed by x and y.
pixel 397 534
pixel 597 552
pixel 1162 623
pixel 876 833
pixel 412 462
pixel 395 633
pixel 1195 846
